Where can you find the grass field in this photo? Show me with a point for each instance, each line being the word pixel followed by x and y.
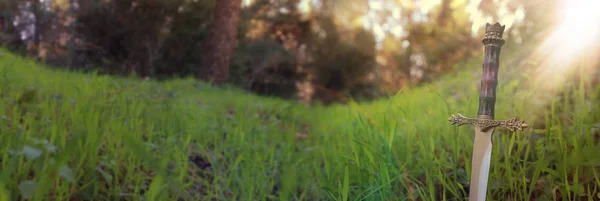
pixel 69 136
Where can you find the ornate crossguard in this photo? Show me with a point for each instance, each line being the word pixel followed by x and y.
pixel 486 123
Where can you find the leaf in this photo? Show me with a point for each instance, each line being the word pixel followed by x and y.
pixel 346 187
pixel 578 189
pixel 27 188
pixel 4 194
pixel 104 174
pixel 15 153
pixel 66 173
pixel 31 153
pixel 155 188
pixel 50 148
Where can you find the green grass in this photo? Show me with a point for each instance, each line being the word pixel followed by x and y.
pixel 69 136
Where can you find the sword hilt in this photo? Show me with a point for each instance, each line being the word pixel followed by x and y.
pixel 486 122
pixel 492 42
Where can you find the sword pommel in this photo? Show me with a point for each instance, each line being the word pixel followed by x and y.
pixel 493 34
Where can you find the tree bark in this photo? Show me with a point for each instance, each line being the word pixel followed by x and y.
pixel 221 41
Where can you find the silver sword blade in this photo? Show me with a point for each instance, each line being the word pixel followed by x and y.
pixel 480 166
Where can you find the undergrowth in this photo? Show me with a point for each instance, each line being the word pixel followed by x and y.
pixel 70 136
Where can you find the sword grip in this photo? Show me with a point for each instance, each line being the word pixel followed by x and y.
pixel 489 80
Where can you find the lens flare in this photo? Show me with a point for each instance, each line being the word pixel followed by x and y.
pixel 574 43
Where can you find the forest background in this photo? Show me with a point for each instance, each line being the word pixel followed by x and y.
pixel 309 50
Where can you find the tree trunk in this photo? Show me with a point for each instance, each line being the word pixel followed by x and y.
pixel 221 41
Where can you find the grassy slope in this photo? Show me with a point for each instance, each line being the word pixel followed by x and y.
pixel 113 138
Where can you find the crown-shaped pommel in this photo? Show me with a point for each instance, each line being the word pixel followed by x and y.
pixel 493 34
pixel 496 28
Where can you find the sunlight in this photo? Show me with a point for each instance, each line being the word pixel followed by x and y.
pixel 571 44
pixel 505 16
pixel 392 24
pixel 580 24
pixel 246 3
pixel 306 6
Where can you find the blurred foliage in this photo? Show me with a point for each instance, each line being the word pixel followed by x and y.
pixel 266 67
pixel 146 37
pixel 305 49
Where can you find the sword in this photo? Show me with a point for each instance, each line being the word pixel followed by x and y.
pixel 485 123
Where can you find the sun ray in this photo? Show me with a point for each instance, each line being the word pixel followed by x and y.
pixel 572 44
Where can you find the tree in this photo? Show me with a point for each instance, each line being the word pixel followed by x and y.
pixel 8 33
pixel 221 41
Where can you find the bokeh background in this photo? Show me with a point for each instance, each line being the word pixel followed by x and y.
pixel 309 50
